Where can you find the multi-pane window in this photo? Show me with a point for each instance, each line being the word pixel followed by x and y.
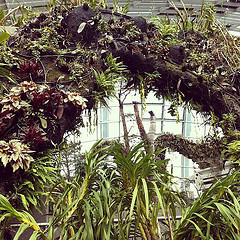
pixel 104 122
pixel 189 125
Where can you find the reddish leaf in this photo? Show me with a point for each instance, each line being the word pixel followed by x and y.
pixel 60 110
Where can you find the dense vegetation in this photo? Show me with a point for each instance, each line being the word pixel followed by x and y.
pixel 65 62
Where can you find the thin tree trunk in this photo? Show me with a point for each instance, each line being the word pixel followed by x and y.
pixel 141 129
pixel 170 225
pixel 125 131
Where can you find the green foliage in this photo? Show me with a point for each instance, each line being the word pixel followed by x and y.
pixel 233 152
pixel 126 197
pixel 227 125
pixel 134 188
pixel 73 3
pixel 34 185
pixel 71 160
pixel 4 72
pixel 92 3
pixel 87 206
pixel 18 15
pixel 74 208
pixel 48 43
pixel 230 139
pixel 25 219
pixel 187 20
pixel 206 152
pixel 202 38
pixel 22 15
pixel 166 29
pixel 107 80
pixel 141 175
pixel 2 17
pixel 4 36
pixel 214 214
pixel 182 15
pixel 207 19
pixel 117 8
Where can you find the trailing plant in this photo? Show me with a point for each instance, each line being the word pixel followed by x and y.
pixel 206 152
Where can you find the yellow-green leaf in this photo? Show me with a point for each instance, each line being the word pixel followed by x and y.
pixel 43 122
pixel 4 36
pixel 5 160
pixel 21 229
pixel 15 156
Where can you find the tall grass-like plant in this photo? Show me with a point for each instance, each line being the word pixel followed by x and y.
pixel 119 195
pixel 83 207
pixel 117 201
pixel 148 193
pixel 213 215
pixel 26 220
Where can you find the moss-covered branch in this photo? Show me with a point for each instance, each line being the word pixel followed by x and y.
pixel 206 153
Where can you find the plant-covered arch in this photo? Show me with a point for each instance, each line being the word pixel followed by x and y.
pixel 65 62
pixel 70 59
